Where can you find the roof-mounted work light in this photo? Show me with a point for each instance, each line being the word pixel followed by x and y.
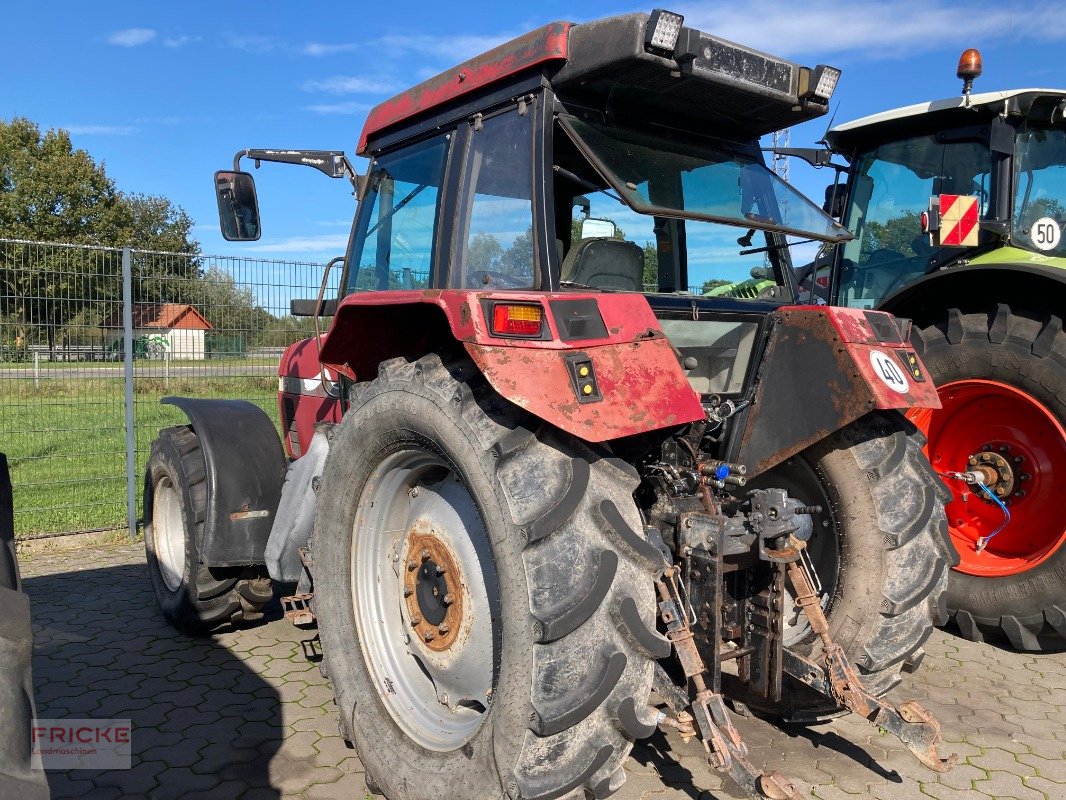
pixel 821 83
pixel 662 32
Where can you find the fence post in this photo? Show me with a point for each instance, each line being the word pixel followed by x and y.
pixel 127 374
pixel 166 370
pixel 36 370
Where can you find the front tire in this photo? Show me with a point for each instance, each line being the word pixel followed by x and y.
pixel 193 597
pixel 544 539
pixel 1002 381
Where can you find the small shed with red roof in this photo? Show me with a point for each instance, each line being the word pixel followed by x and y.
pixel 174 328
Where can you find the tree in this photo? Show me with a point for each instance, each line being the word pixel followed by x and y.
pixel 52 192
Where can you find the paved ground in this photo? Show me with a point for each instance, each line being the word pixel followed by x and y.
pixel 246 715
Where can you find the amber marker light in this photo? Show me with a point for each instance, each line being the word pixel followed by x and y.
pixel 970 68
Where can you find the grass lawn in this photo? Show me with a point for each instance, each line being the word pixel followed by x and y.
pixel 66 443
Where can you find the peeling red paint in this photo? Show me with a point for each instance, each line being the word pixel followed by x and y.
pixel 534 49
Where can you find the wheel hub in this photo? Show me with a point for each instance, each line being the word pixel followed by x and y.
pixel 998 470
pixel 432 589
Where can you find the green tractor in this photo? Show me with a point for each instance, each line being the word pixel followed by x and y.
pixel 958 208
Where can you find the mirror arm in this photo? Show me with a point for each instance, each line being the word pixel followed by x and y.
pixel 814 156
pixel 332 163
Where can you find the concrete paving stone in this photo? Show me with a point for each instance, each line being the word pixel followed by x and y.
pixel 324 722
pixel 176 782
pixel 219 756
pixel 1052 766
pixel 346 787
pixel 962 776
pixel 295 775
pixel 833 793
pixel 262 793
pixel 299 745
pixel 994 758
pixel 942 791
pixel 183 753
pixel 317 696
pixel 1006 784
pixel 1050 789
pixel 228 790
pixel 133 782
pixel 331 751
pixel 68 784
pixel 907 790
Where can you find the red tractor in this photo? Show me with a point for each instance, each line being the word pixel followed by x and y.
pixel 528 475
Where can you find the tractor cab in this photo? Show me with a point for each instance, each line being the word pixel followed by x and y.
pixel 948 184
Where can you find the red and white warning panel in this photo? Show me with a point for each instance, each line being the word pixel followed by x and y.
pixel 958 220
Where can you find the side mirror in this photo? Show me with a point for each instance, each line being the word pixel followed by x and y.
pixel 834 200
pixel 238 207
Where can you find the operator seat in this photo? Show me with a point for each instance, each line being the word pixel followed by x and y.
pixel 605 264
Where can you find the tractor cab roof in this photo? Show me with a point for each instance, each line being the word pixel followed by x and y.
pixel 646 66
pixel 937 115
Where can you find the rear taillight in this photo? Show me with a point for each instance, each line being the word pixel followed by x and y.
pixel 517 320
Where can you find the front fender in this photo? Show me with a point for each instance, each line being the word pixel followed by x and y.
pixel 245 469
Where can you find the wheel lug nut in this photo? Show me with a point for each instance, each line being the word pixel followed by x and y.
pixel 415 619
pixel 448 599
pixel 428 636
pixel 412 564
pixel 1004 449
pixel 440 570
pixel 444 627
pixel 1020 493
pixel 1024 476
pixel 1018 459
pixel 408 591
pixel 971 460
pixel 424 554
pixel 414 491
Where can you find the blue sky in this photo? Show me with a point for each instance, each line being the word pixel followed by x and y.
pixel 164 94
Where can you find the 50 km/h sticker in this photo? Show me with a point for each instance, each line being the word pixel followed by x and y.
pixel 1045 234
pixel 889 371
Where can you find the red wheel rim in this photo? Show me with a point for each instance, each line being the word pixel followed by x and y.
pixel 978 413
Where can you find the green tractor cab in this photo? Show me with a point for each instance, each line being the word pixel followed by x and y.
pixel 958 208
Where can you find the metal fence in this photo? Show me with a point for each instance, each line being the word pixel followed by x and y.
pixel 91 338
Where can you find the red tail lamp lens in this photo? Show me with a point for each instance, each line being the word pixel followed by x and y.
pixel 509 320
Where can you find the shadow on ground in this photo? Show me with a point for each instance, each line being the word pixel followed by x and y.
pixel 204 724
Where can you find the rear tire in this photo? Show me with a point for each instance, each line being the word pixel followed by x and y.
pixel 562 560
pixel 881 548
pixel 1026 351
pixel 193 597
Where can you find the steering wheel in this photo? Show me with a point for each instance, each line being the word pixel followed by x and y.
pixel 491 279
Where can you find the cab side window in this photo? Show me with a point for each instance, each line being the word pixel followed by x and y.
pixel 395 240
pixel 497 249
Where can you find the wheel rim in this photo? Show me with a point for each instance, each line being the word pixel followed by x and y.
pixel 1016 439
pixel 426 598
pixel 799 479
pixel 168 532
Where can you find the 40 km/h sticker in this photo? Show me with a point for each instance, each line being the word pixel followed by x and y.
pixel 889 371
pixel 1045 234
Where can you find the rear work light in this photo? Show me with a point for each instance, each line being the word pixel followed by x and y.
pixel 662 32
pixel 517 320
pixel 821 83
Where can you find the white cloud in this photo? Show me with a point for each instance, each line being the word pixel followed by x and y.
pixel 349 107
pixel 318 49
pixel 304 244
pixel 454 49
pixel 174 42
pixel 99 130
pixel 873 29
pixel 344 84
pixel 257 45
pixel 131 37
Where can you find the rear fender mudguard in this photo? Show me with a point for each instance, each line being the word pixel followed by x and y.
pixel 245 469
pixel 825 367
pixel 640 384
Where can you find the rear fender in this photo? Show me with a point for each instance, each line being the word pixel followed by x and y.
pixel 245 472
pixel 640 385
pixel 825 367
